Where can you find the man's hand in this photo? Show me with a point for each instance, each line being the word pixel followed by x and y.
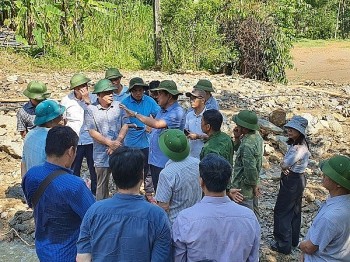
pixel 235 195
pixel 85 95
pixel 237 133
pixel 113 145
pixel 128 112
pixel 192 136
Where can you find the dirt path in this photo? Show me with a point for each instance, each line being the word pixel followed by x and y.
pixel 327 61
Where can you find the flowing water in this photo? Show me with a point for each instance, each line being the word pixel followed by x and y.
pixel 17 252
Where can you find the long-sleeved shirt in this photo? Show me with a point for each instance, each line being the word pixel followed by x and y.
pixel 296 158
pixel 125 228
pixel 216 229
pixel 75 116
pixel 193 124
pixel 219 143
pixel 59 212
pixel 248 164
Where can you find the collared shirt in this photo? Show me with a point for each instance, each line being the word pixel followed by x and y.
pixel 330 231
pixel 179 186
pixel 193 124
pixel 125 228
pixel 59 212
pixel 147 107
pixel 173 116
pixel 25 117
pixel 248 164
pixel 123 94
pixel 297 158
pixel 75 116
pixel 106 121
pixel 34 147
pixel 212 103
pixel 219 143
pixel 216 229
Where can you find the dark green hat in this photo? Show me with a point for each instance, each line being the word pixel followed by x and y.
pixel 103 85
pixel 169 86
pixel 78 79
pixel 112 73
pixel 47 111
pixel 247 119
pixel 337 168
pixel 136 81
pixel 174 144
pixel 36 90
pixel 205 85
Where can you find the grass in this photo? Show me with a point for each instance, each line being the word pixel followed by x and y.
pixel 307 43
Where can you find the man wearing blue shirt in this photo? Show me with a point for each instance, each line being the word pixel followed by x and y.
pixel 120 91
pixel 125 227
pixel 138 135
pixel 170 116
pixel 62 206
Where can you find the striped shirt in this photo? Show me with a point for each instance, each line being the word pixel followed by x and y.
pixel 179 186
pixel 106 121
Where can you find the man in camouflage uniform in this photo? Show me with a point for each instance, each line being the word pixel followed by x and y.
pixel 244 185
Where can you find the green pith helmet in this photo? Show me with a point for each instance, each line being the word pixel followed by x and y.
pixel 247 119
pixel 36 90
pixel 205 85
pixel 136 81
pixel 103 85
pixel 78 79
pixel 169 86
pixel 174 144
pixel 47 111
pixel 112 73
pixel 337 168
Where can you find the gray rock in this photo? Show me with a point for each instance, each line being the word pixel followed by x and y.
pixel 268 127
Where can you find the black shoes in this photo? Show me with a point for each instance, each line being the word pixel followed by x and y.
pixel 275 247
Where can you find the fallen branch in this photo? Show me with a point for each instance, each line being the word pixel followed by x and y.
pixel 14 230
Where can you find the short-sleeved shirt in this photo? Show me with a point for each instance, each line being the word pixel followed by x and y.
pixel 75 116
pixel 147 107
pixel 34 147
pixel 59 212
pixel 216 229
pixel 193 124
pixel 179 186
pixel 219 143
pixel 106 121
pixel 173 116
pixel 125 228
pixel 330 231
pixel 212 103
pixel 123 94
pixel 248 164
pixel 25 117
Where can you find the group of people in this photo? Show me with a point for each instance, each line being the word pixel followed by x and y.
pixel 200 204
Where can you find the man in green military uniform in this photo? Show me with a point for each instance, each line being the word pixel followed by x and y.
pixel 217 142
pixel 244 185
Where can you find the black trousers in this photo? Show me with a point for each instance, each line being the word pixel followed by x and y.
pixel 287 212
pixel 147 178
pixel 155 171
pixel 85 151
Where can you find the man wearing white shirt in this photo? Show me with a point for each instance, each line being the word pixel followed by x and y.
pixel 76 103
pixel 193 129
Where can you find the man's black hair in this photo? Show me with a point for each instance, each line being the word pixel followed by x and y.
pixel 59 139
pixel 215 172
pixel 213 118
pixel 127 164
pixel 153 84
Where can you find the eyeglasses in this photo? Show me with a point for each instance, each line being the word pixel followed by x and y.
pixel 195 97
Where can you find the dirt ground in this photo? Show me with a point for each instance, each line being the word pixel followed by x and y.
pixel 327 61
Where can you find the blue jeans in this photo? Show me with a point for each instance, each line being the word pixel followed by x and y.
pixel 85 151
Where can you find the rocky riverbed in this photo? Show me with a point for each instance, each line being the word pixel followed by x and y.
pixel 325 104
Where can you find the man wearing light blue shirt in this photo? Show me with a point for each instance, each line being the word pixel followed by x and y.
pixel 170 116
pixel 120 92
pixel 216 228
pixel 138 135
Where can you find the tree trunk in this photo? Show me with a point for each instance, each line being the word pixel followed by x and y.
pixel 157 33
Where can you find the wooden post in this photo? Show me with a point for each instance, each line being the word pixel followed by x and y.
pixel 157 34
